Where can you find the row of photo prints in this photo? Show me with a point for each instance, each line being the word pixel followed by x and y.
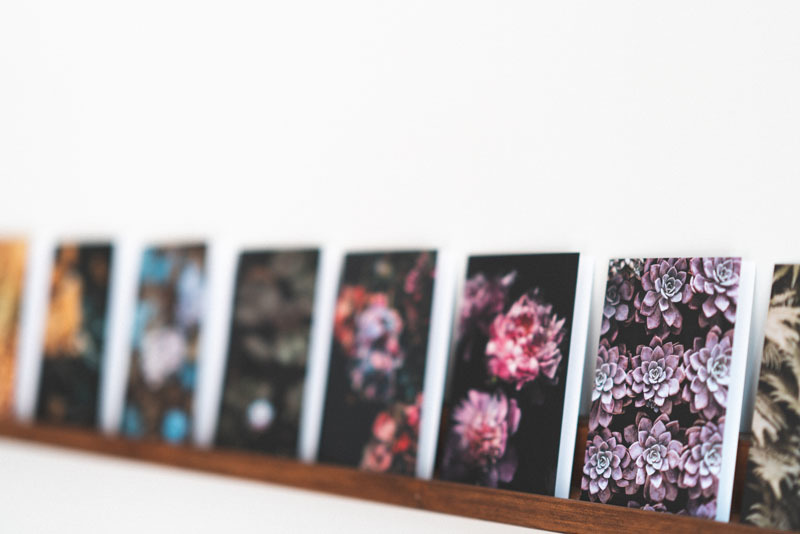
pixel 361 359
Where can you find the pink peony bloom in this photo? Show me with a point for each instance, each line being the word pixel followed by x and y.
pixel 484 422
pixel 525 342
pixel 483 299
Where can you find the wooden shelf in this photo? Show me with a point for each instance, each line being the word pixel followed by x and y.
pixel 502 506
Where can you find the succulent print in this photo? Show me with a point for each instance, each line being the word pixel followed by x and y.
pixel 618 306
pixel 668 399
pixel 502 414
pixel 772 489
pixel 716 282
pixel 665 286
pixel 656 375
pixel 607 465
pixel 657 507
pixel 656 455
pixel 524 343
pixel 701 460
pixel 609 389
pixel 708 371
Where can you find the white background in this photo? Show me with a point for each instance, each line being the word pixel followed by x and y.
pixel 612 128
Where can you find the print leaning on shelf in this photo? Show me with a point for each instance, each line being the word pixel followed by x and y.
pixel 667 390
pixel 772 488
pixel 75 335
pixel 268 351
pixel 13 257
pixel 169 309
pixel 515 372
pixel 377 364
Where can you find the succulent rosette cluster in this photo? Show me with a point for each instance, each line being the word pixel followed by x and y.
pixel 656 454
pixel 525 342
pixel 664 287
pixel 708 370
pixel 607 466
pixel 715 282
pixel 610 384
pixel 662 408
pixel 617 306
pixel 656 375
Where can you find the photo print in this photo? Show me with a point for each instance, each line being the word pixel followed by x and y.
pixel 772 488
pixel 75 335
pixel 166 331
pixel 668 381
pixel 268 350
pixel 13 258
pixel 377 361
pixel 503 412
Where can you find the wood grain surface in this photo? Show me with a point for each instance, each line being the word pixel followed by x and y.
pixel 502 506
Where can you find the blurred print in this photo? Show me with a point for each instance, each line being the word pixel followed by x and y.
pixel 166 330
pixel 504 403
pixel 13 255
pixel 377 365
pixel 267 351
pixel 74 339
pixel 772 490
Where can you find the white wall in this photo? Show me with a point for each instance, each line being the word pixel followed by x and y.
pixel 613 128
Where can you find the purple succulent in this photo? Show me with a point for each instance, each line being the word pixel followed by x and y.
pixel 657 507
pixel 655 455
pixel 628 267
pixel 701 460
pixel 617 307
pixel 666 283
pixel 708 369
pixel 605 466
pixel 715 282
pixel 656 375
pixel 707 510
pixel 609 384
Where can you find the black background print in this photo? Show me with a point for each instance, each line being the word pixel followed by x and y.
pixel 541 404
pixel 273 305
pixel 69 387
pixel 348 418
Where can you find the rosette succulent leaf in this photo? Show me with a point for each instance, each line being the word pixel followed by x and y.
pixel 715 282
pixel 656 375
pixel 665 284
pixel 701 460
pixel 655 454
pixel 708 367
pixel 618 305
pixel 606 464
pixel 609 387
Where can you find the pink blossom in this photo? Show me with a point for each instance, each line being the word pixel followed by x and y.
pixel 384 427
pixel 525 342
pixel 483 299
pixel 377 457
pixel 484 422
